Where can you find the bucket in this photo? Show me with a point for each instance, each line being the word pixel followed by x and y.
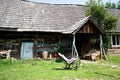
pixel 44 54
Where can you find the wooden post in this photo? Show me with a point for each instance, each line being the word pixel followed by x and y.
pixel 74 45
pixel 101 46
pixel 74 50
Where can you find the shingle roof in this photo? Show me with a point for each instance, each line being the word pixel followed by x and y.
pixel 28 16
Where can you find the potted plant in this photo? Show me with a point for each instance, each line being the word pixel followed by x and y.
pixel 59 48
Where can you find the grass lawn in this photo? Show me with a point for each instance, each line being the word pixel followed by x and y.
pixel 50 70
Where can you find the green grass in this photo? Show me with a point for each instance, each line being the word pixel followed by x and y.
pixel 115 59
pixel 50 70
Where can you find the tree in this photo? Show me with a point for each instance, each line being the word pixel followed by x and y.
pixel 118 5
pixel 110 5
pixel 102 18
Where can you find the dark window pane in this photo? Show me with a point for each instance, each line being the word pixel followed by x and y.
pixel 113 39
pixel 118 39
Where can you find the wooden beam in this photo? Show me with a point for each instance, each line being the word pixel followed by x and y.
pixel 102 51
pixel 74 50
pixel 101 46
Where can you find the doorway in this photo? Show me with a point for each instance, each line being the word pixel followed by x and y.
pixel 27 50
pixel 82 45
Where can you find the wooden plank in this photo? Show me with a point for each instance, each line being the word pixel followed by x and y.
pixel 101 45
pixel 88 28
pixel 75 52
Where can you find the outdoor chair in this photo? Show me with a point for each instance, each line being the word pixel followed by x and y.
pixel 67 61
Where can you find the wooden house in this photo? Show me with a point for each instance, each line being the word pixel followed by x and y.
pixel 28 29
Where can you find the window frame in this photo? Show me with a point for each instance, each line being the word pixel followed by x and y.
pixel 117 40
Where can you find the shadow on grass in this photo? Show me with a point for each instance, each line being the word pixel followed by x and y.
pixel 61 69
pixel 58 69
pixel 107 75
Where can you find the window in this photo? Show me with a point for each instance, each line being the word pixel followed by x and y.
pixel 15 44
pixel 9 44
pixel 41 43
pixel 116 40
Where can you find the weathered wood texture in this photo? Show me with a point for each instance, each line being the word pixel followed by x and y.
pixel 89 28
pixel 42 42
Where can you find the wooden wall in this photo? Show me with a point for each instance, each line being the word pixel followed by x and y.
pixel 41 42
pixel 89 28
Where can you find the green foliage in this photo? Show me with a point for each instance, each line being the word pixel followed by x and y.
pixel 96 10
pixel 110 22
pixel 106 41
pixel 5 62
pixel 102 18
pixel 118 5
pixel 61 49
pixel 110 5
pixel 59 59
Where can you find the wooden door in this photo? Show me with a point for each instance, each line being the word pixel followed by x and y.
pixel 27 50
